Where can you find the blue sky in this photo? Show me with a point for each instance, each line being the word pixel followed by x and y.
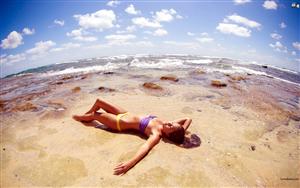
pixel 37 33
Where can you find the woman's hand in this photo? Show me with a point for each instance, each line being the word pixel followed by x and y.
pixel 122 168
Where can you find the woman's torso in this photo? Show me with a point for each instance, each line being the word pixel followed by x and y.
pixel 131 121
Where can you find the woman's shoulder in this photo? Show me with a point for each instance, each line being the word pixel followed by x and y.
pixel 156 125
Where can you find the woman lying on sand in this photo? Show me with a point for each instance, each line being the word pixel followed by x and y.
pixel 117 118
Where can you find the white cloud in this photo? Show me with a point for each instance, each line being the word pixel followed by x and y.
pixel 81 35
pixel 204 34
pixel 182 44
pixel 144 43
pixel 113 3
pixel 13 40
pixel 240 2
pixel 131 10
pixel 66 46
pixel 27 31
pixel 276 36
pixel 233 29
pixel 75 33
pixel 296 45
pixel 282 25
pixel 59 22
pixel 129 29
pixel 70 45
pixel 179 17
pixel 145 22
pixel 57 49
pixel 237 29
pixel 85 38
pixel 190 34
pixel 148 32
pixel 102 19
pixel 278 47
pixel 245 21
pixel 293 53
pixel 165 15
pixel 13 58
pixel 298 60
pixel 270 5
pixel 41 47
pixel 160 32
pixel 205 39
pixel 119 39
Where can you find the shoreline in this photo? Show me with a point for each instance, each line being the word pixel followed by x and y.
pixel 137 56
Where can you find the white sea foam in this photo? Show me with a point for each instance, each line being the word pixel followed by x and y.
pixel 200 61
pixel 243 70
pixel 225 71
pixel 121 56
pixel 272 66
pixel 235 69
pixel 287 81
pixel 162 63
pixel 283 69
pixel 108 66
pixel 264 74
pixel 249 62
pixel 249 71
pixel 65 62
pixel 116 57
pixel 142 55
pixel 177 55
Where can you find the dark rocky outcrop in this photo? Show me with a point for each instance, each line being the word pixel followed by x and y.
pixel 237 77
pixel 108 73
pixel 25 107
pixel 67 77
pixel 150 85
pixel 105 89
pixel 198 71
pixel 76 89
pixel 170 78
pixel 218 83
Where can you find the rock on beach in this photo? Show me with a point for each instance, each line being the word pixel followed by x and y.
pixel 218 83
pixel 170 78
pixel 150 85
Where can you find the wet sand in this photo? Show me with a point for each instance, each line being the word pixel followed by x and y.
pixel 248 130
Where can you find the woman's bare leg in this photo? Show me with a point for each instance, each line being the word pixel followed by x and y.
pixel 107 119
pixel 106 106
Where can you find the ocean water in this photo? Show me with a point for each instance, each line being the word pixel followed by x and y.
pixel 165 62
pixel 41 82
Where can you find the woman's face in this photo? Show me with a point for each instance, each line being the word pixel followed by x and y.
pixel 169 127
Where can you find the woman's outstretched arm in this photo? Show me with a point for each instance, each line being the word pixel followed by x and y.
pixel 123 167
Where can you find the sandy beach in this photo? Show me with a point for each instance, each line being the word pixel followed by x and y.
pixel 245 130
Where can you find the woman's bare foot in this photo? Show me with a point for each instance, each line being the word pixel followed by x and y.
pixel 76 117
pixel 83 118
